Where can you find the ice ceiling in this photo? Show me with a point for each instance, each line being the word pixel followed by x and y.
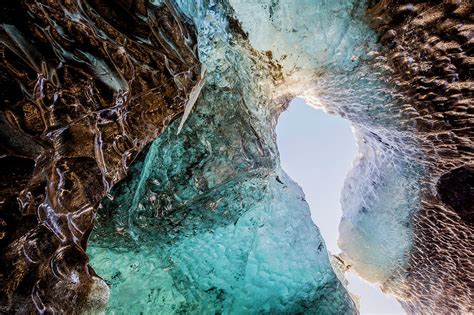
pixel 205 220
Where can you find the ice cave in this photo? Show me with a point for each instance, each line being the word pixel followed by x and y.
pixel 140 170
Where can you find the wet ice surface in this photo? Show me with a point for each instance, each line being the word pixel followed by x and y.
pixel 317 150
pixel 82 94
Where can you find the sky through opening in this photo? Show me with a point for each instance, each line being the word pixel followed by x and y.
pixel 317 150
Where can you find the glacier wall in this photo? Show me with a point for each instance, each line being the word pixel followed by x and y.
pixel 399 72
pixel 191 91
pixel 208 221
pixel 84 87
pixel 329 65
pixel 336 56
pixel 327 56
pixel 409 96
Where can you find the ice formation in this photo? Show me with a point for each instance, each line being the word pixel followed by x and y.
pixel 206 220
pixel 216 219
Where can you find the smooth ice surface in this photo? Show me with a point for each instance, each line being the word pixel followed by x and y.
pixel 314 145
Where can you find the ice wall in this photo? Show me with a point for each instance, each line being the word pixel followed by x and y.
pixel 327 56
pixel 207 221
pixel 405 84
pixel 87 85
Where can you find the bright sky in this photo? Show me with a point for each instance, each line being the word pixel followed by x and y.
pixel 317 150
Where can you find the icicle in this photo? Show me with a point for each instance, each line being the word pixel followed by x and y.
pixel 193 96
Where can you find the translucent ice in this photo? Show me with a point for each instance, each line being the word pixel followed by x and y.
pixel 211 211
pixel 207 222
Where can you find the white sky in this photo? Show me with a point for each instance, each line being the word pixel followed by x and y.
pixel 317 150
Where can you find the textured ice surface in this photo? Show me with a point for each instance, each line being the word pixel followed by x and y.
pixel 427 52
pixel 307 36
pixel 326 55
pixel 215 226
pixel 207 221
pixel 380 196
pixel 228 252
pixel 210 206
pixel 86 85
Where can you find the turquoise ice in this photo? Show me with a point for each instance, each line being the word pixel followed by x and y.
pixel 208 222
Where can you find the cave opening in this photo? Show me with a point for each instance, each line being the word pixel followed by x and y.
pixel 317 150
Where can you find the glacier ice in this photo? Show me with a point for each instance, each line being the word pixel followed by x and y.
pixel 84 88
pixel 399 73
pixel 344 83
pixel 206 219
pixel 325 55
pixel 331 57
